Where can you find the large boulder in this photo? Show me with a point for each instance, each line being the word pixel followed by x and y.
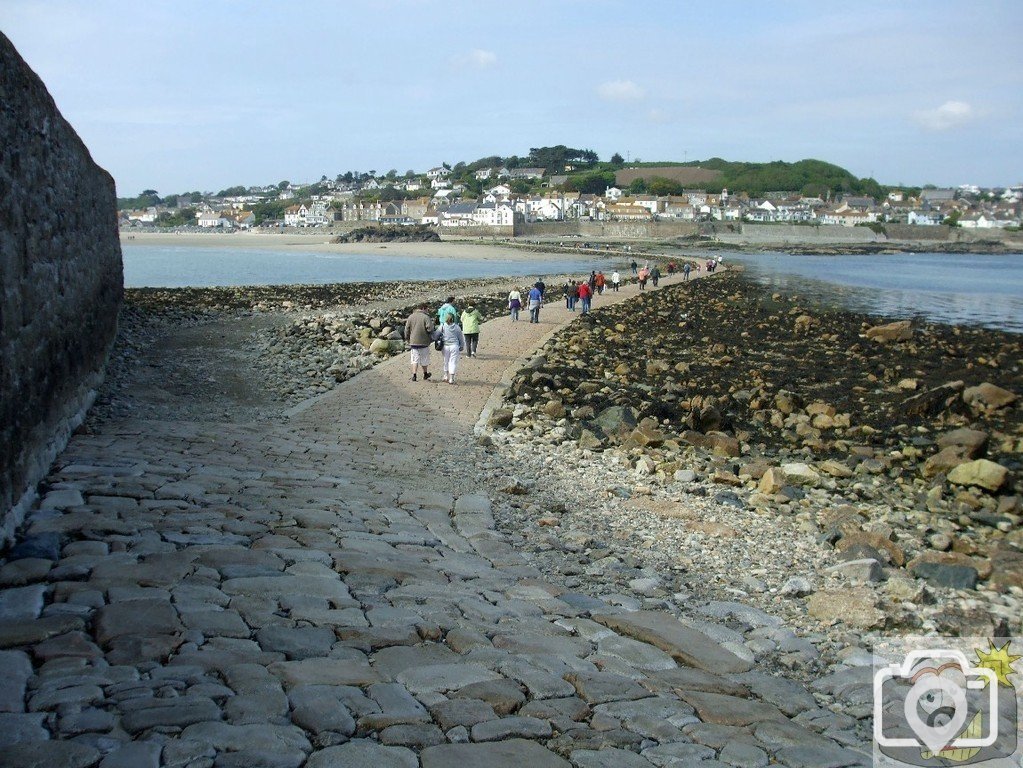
pixel 980 473
pixel 617 420
pixel 986 398
pixel 898 331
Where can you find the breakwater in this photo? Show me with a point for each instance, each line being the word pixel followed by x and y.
pixel 60 261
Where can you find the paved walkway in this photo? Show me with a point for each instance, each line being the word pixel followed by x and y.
pixel 331 591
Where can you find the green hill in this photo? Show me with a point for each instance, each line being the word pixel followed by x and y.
pixel 807 177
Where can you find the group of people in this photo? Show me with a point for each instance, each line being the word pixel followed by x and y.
pixel 455 333
pixel 534 301
pixel 451 333
pixel 583 291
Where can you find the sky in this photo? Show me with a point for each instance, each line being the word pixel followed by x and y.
pixel 185 95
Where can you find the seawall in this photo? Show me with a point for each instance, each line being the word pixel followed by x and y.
pixel 61 282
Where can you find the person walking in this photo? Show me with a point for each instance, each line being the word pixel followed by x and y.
pixel 655 275
pixel 616 281
pixel 567 290
pixel 535 302
pixel 601 281
pixel 454 344
pixel 592 282
pixel 573 294
pixel 543 288
pixel 685 272
pixel 419 330
pixel 447 308
pixel 642 276
pixel 514 304
pixel 586 294
pixel 471 320
pixel 634 265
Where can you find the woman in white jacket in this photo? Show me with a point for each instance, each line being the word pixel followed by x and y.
pixel 454 345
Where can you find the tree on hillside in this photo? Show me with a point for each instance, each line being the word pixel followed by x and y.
pixel 617 160
pixel 283 185
pixel 554 159
pixel 592 183
pixel 494 161
pixel 660 186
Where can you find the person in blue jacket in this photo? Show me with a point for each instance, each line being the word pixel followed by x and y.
pixel 535 302
pixel 448 307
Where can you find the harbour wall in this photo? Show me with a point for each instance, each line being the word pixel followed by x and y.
pixel 61 283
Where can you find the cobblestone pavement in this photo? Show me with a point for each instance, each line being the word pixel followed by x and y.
pixel 318 592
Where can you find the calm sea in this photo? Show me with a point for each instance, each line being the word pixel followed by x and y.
pixel 985 290
pixel 178 266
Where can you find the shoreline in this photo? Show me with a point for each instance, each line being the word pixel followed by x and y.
pixel 297 243
pixel 519 248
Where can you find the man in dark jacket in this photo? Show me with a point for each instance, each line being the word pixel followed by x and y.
pixel 419 328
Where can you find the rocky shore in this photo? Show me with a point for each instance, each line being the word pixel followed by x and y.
pixel 857 249
pixel 416 234
pixel 842 473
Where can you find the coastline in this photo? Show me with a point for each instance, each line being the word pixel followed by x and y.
pixel 321 243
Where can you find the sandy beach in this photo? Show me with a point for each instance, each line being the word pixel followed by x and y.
pixel 320 242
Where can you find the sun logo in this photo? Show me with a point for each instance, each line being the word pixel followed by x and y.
pixel 999 661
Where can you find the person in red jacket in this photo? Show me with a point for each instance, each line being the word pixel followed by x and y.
pixel 586 294
pixel 600 280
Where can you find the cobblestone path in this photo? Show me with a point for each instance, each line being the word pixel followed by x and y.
pixel 316 593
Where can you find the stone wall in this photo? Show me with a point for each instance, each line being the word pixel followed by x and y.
pixel 780 234
pixel 60 282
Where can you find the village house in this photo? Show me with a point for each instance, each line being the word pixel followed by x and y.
pixel 619 212
pixel 294 215
pixel 361 210
pixel 924 218
pixel 437 173
pixel 678 207
pixel 416 209
pixel 458 215
pixel 494 215
pixel 484 173
pixel 651 202
pixel 588 207
pixel 847 217
pixel 209 219
pixel 526 173
pixel 612 194
pixel 144 216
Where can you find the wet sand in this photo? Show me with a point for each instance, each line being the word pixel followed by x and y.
pixel 320 242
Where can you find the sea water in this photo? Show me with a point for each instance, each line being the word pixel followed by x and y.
pixel 180 266
pixel 975 289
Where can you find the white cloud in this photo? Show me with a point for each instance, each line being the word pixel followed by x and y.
pixel 658 116
pixel 951 114
pixel 477 58
pixel 620 90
